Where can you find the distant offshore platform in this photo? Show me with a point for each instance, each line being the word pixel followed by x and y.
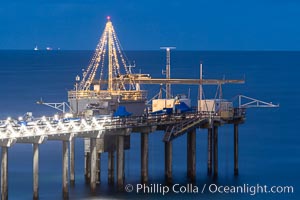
pixel 107 106
pixel 47 48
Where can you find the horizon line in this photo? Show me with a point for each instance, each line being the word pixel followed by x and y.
pixel 245 50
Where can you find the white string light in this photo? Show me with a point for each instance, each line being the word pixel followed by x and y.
pixel 108 40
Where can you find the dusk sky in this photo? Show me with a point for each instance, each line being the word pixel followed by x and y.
pixel 149 24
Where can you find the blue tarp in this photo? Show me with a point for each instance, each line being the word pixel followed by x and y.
pixel 182 107
pixel 122 112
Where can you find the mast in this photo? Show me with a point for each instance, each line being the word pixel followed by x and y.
pixel 168 73
pixel 200 87
pixel 110 55
pixel 168 70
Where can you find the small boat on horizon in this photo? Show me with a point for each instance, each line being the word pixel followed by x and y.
pixel 36 48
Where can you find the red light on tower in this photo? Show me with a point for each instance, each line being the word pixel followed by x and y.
pixel 108 18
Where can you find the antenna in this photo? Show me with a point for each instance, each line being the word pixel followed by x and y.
pixel 200 86
pixel 168 70
pixel 130 67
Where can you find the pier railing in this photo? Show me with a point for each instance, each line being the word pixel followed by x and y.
pixel 51 126
pixel 104 94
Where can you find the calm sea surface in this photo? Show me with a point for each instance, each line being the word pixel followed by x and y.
pixel 269 140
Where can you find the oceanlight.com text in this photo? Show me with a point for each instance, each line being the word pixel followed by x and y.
pixel 250 189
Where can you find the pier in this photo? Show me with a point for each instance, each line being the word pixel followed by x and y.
pixel 106 112
pixel 93 129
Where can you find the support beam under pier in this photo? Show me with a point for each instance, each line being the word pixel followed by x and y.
pixel 93 164
pixel 4 180
pixel 168 162
pixel 236 149
pixel 111 166
pixel 72 161
pixel 65 169
pixel 191 155
pixel 215 151
pixel 120 162
pixel 209 151
pixel 35 171
pixel 144 157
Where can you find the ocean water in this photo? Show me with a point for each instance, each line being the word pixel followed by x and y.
pixel 269 150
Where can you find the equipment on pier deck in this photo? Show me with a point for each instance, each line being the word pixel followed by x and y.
pixel 249 102
pixel 222 107
pixel 63 106
pixel 179 104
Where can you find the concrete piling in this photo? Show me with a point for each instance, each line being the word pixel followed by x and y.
pixel 209 151
pixel 120 162
pixel 168 162
pixel 191 155
pixel 98 166
pixel 188 154
pixel 65 170
pixel 72 161
pixel 144 157
pixel 111 166
pixel 35 171
pixel 4 171
pixel 93 164
pixel 236 150
pixel 87 170
pixel 215 151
